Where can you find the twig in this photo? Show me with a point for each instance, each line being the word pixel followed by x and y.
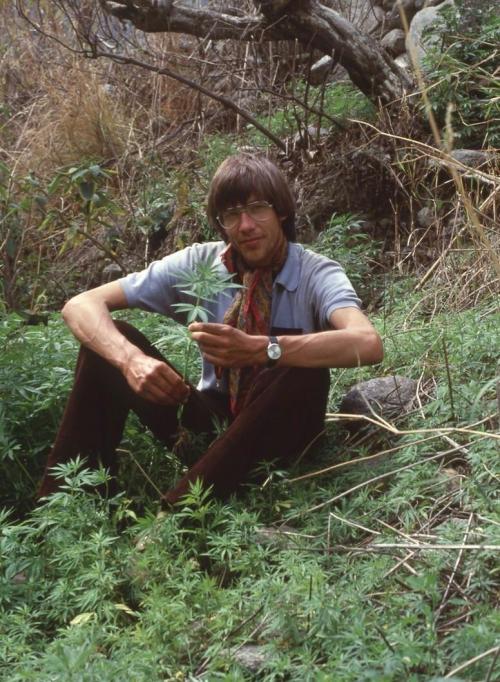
pixel 164 71
pixel 448 376
pixel 374 480
pixel 471 661
pixel 359 460
pixel 418 547
pixel 386 641
pixel 355 525
pixel 111 254
pixel 336 416
pixel 454 571
pixel 492 666
pixel 306 449
pixel 146 476
pixel 232 632
pixel 402 562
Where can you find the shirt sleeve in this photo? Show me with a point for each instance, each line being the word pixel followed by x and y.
pixel 154 289
pixel 331 290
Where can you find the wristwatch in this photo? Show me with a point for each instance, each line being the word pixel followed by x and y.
pixel 273 351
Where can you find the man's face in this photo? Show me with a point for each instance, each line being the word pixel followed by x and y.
pixel 257 241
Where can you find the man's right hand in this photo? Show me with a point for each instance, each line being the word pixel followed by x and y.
pixel 88 317
pixel 155 380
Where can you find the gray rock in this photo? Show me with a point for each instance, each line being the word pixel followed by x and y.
pixel 394 41
pixel 300 139
pixel 425 217
pixel 320 70
pixel 403 61
pixel 325 68
pixel 111 272
pixel 419 39
pixel 277 537
pixel 253 657
pixel 472 157
pixel 388 397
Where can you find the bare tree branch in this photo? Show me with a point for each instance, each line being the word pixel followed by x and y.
pixel 309 21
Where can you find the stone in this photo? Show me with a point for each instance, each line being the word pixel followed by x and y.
pixel 301 139
pixel 325 68
pixel 388 397
pixel 320 70
pixel 111 272
pixel 419 38
pixel 425 217
pixel 403 61
pixel 453 479
pixel 277 537
pixel 253 657
pixel 472 157
pixel 394 41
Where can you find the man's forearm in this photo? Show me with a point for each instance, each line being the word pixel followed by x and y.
pixel 336 348
pixel 225 346
pixel 88 316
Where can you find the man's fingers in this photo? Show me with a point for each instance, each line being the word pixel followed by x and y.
pixel 170 383
pixel 210 328
pixel 205 340
pixel 156 381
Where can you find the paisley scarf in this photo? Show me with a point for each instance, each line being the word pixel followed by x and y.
pixel 250 312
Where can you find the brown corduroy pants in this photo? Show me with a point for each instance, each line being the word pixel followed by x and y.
pixel 284 410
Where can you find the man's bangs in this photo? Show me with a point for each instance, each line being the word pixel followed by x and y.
pixel 238 189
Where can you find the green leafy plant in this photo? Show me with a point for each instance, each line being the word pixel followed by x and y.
pixel 344 241
pixel 463 72
pixel 202 284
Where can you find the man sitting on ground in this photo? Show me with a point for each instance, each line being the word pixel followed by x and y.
pixel 266 354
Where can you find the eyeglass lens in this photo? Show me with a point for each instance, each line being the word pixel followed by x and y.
pixel 259 211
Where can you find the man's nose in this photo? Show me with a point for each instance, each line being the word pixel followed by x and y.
pixel 246 221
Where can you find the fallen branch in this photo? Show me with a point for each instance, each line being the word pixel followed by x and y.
pixel 414 547
pixel 439 455
pixel 471 661
pixel 338 416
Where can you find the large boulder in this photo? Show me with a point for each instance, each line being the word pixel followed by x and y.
pixel 420 37
pixel 394 41
pixel 388 397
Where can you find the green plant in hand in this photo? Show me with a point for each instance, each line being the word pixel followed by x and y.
pixel 202 285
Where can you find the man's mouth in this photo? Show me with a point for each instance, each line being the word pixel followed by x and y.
pixel 251 242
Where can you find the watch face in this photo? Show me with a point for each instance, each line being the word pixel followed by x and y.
pixel 273 351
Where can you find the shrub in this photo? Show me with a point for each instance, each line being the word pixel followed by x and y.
pixel 464 72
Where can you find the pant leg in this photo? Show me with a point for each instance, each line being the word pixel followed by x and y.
pixel 283 412
pixel 97 408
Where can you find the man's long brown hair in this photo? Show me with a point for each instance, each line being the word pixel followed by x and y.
pixel 244 175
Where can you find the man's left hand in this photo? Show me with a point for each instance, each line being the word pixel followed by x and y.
pixel 225 346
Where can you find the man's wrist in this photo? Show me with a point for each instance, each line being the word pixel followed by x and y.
pixel 261 344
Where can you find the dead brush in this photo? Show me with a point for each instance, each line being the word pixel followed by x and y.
pixel 75 118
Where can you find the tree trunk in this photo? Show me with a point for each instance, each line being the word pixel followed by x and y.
pixel 309 21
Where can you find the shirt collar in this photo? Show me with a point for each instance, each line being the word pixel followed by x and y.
pixel 289 275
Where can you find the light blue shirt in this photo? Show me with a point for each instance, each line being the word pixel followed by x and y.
pixel 306 291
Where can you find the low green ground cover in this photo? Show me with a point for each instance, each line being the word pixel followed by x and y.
pixel 79 601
